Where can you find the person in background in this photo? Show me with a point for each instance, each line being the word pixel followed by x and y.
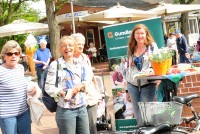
pixel 42 58
pixel 165 39
pixel 181 43
pixel 14 110
pixel 105 49
pixel 71 113
pixel 140 45
pixel 198 45
pixel 117 76
pixel 171 43
pixel 24 62
pixel 123 66
pixel 92 93
pixel 93 50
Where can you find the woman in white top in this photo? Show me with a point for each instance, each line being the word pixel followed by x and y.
pixel 92 49
pixel 92 93
pixel 171 43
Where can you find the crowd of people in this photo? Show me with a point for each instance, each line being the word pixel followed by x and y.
pixel 179 44
pixel 77 92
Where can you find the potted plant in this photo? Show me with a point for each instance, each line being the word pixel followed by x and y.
pixel 161 60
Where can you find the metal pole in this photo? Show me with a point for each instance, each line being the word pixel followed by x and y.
pixel 72 15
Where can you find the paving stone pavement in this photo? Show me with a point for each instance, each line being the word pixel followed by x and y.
pixel 48 124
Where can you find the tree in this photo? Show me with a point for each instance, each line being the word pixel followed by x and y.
pixel 185 18
pixel 54 30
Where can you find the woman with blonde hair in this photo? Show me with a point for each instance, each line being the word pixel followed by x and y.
pixel 140 45
pixel 14 110
pixel 71 113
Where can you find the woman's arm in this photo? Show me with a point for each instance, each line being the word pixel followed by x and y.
pixel 50 86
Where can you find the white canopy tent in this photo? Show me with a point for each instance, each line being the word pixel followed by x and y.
pixel 22 27
pixel 169 9
pixel 118 13
pixel 61 19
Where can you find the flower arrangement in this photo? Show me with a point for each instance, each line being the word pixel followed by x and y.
pixel 161 55
pixel 161 60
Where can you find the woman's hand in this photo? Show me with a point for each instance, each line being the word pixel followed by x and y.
pixel 79 87
pixel 128 97
pixel 31 89
pixel 62 93
pixel 32 92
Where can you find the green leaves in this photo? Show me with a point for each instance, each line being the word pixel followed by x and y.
pixel 161 55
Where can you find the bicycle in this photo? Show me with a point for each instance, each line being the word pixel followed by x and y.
pixel 174 129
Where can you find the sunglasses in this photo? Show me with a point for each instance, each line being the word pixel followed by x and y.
pixel 11 54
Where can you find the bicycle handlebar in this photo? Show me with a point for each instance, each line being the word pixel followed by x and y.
pixel 189 120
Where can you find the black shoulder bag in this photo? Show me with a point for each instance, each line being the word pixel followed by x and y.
pixel 49 101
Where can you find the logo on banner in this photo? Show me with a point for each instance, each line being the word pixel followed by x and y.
pixel 110 35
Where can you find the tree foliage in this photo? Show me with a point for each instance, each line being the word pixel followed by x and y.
pixel 10 11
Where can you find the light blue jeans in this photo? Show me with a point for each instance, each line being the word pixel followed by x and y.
pixel 72 121
pixel 145 94
pixel 20 124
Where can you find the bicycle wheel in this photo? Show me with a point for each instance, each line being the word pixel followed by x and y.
pixel 173 132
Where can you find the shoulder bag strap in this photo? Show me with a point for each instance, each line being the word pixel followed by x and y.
pixel 56 84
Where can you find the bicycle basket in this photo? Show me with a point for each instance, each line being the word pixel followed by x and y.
pixel 155 113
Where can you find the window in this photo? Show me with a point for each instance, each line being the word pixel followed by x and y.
pixel 193 25
pixel 89 37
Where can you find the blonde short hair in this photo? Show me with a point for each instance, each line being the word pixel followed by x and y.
pixel 8 46
pixel 63 40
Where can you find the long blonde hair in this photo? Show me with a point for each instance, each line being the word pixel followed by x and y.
pixel 132 41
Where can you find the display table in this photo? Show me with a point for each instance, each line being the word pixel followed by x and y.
pixel 169 82
pixel 168 92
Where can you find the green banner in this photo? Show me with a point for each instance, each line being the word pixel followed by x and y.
pixel 117 36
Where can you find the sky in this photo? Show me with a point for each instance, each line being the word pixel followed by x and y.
pixel 39 6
